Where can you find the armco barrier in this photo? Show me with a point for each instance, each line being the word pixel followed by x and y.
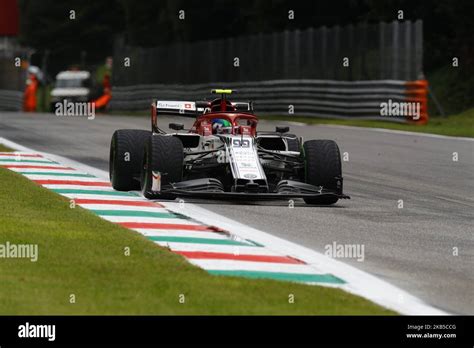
pixel 315 98
pixel 11 100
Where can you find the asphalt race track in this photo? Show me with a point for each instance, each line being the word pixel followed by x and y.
pixel 410 247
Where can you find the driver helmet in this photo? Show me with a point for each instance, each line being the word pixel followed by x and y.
pixel 221 126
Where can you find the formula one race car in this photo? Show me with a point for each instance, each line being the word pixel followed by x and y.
pixel 223 157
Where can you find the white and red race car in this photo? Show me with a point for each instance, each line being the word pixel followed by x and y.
pixel 223 157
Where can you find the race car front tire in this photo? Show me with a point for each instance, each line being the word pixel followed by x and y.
pixel 163 154
pixel 126 157
pixel 322 168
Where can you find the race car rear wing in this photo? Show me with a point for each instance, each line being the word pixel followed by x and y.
pixel 185 108
pixel 188 108
pixel 171 107
pixel 194 108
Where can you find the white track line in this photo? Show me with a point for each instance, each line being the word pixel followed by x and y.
pixel 93 207
pixel 75 178
pixel 101 197
pixel 358 282
pixel 394 131
pixel 42 170
pixel 77 187
pixel 143 219
pixel 40 165
pixel 183 233
pixel 237 265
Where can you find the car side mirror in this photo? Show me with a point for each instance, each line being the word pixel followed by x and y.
pixel 282 129
pixel 176 126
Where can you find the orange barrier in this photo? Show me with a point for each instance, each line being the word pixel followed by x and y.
pixel 29 97
pixel 417 92
pixel 104 99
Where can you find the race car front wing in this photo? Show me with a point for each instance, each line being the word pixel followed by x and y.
pixel 211 188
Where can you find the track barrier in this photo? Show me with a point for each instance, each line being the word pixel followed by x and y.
pixel 313 98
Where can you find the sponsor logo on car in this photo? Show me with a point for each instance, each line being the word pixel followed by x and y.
pixel 176 105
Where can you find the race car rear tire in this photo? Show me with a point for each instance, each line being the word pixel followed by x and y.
pixel 322 167
pixel 126 157
pixel 163 154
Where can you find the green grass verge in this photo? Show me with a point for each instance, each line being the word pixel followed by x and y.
pixel 83 255
pixel 3 148
pixel 454 125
